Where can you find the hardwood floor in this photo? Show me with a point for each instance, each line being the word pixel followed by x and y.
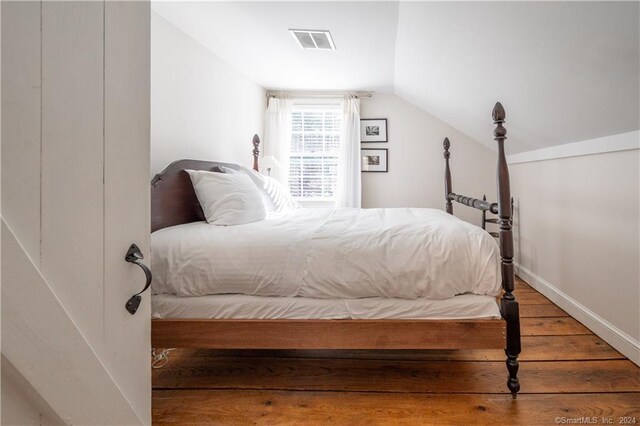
pixel 567 373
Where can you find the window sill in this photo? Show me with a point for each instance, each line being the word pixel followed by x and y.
pixel 316 203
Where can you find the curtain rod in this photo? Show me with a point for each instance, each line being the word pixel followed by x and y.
pixel 293 94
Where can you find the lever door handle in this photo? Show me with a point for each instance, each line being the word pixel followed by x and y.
pixel 134 255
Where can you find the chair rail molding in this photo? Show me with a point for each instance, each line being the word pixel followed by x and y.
pixel 613 143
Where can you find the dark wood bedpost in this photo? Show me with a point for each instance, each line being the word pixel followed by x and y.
pixel 484 214
pixel 447 176
pixel 256 152
pixel 509 305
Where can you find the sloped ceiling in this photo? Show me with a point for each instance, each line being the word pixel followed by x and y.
pixel 254 38
pixel 565 71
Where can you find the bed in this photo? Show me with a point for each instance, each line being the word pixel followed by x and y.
pixel 333 278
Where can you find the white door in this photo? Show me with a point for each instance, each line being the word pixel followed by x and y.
pixel 75 196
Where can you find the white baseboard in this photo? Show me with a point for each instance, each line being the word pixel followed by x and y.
pixel 611 334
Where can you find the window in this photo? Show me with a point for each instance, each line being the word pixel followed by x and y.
pixel 315 142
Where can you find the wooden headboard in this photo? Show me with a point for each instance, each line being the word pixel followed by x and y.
pixel 173 201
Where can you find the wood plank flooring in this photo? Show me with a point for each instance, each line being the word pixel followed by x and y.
pixel 567 373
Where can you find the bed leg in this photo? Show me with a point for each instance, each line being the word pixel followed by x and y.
pixel 511 315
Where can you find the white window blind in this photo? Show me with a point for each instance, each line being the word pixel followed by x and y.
pixel 315 142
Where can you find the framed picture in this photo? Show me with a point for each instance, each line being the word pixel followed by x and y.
pixel 374 160
pixel 373 130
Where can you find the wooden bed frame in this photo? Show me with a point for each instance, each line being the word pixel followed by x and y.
pixel 173 202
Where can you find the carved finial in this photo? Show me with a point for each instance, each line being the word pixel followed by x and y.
pixel 256 143
pixel 446 144
pixel 484 197
pixel 498 113
pixel 256 152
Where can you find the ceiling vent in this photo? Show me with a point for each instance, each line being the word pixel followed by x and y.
pixel 313 39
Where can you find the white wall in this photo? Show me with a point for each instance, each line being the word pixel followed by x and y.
pixel 577 226
pixel 201 107
pixel 416 165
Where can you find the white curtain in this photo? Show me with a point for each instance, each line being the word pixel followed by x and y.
pixel 348 186
pixel 277 136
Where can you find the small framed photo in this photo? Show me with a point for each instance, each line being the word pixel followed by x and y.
pixel 373 130
pixel 374 160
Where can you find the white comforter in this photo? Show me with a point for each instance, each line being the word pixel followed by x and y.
pixel 329 253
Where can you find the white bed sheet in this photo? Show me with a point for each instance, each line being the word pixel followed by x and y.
pixel 329 253
pixel 239 306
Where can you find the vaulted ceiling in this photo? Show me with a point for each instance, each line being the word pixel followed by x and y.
pixel 254 38
pixel 565 71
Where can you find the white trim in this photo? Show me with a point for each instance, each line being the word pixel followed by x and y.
pixel 613 143
pixel 316 202
pixel 611 334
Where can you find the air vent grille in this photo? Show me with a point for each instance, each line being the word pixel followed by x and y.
pixel 313 39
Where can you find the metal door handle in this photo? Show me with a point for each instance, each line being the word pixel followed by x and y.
pixel 134 255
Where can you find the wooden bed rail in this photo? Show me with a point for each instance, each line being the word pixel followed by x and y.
pixel 483 205
pixel 328 334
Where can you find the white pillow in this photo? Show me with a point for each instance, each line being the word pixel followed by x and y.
pixel 276 196
pixel 227 199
